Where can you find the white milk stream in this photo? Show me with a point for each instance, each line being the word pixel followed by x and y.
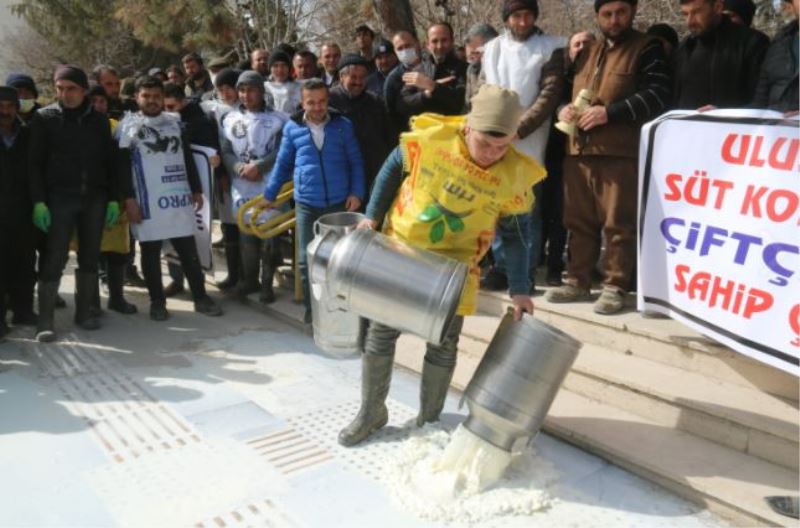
pixel 462 478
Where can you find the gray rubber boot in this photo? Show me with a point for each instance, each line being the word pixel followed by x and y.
pixel 376 375
pixel 87 292
pixel 433 391
pixel 47 293
pixel 251 251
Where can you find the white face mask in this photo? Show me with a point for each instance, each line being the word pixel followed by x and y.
pixel 407 56
pixel 26 105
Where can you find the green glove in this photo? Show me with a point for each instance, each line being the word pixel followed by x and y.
pixel 112 214
pixel 41 216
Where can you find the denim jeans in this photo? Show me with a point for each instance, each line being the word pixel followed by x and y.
pixel 305 216
pixel 534 242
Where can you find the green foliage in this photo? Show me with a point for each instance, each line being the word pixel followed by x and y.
pixel 176 25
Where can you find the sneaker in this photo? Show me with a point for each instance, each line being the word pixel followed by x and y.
pixel 158 311
pixel 567 293
pixel 494 281
pixel 207 306
pixel 611 301
pixel 173 289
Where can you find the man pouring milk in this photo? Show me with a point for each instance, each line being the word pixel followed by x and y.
pixel 451 184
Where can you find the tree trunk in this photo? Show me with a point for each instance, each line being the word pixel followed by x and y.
pixel 396 15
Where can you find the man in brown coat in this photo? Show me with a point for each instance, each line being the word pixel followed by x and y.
pixel 626 72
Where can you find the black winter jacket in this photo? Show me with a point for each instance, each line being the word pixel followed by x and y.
pixel 15 199
pixel 731 76
pixel 447 98
pixel 373 131
pixel 201 128
pixel 71 154
pixel 778 83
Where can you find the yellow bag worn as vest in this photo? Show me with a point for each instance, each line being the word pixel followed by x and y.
pixel 448 204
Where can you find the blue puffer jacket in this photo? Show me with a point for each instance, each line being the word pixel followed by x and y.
pixel 321 177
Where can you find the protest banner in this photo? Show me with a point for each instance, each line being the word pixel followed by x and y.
pixel 719 245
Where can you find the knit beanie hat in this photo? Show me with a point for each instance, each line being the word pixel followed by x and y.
pixel 600 3
pixel 352 59
pixel 96 90
pixel 20 80
pixel 279 56
pixel 509 6
pixel 7 93
pixel 250 78
pixel 66 72
pixel 495 109
pixel 227 77
pixel 744 8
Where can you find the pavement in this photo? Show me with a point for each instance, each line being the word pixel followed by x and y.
pixel 232 421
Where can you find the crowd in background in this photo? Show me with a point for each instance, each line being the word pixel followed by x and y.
pixel 328 121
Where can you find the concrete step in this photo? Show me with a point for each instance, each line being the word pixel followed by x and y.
pixel 740 418
pixel 737 417
pixel 661 340
pixel 727 481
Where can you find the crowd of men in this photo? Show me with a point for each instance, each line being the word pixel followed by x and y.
pixel 106 169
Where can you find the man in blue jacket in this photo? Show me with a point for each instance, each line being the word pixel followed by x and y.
pixel 320 151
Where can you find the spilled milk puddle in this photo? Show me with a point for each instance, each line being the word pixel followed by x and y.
pixel 455 476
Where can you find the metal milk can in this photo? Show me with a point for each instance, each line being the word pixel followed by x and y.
pixel 335 331
pixel 385 280
pixel 518 379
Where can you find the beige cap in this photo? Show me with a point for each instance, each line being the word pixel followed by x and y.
pixel 495 109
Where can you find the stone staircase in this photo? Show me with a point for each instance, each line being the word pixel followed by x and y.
pixel 664 402
pixel 655 398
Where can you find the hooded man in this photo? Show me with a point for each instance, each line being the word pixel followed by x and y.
pixel 250 141
pixel 413 201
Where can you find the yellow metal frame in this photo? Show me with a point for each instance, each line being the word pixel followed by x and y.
pixel 273 227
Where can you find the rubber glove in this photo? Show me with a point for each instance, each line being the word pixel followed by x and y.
pixel 41 216
pixel 112 214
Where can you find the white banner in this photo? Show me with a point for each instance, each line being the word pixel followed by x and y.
pixel 202 232
pixel 159 176
pixel 719 246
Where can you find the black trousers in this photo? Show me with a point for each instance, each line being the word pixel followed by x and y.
pixel 85 216
pixel 187 253
pixel 17 265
